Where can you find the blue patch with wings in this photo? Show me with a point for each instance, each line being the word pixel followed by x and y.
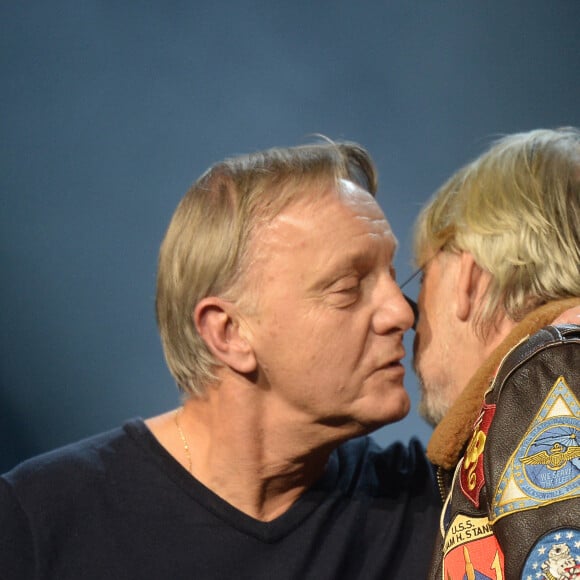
pixel 545 466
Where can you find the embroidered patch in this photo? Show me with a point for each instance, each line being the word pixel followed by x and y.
pixel 545 467
pixel 471 478
pixel 471 551
pixel 555 556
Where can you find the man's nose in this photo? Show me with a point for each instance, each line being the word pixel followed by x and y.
pixel 394 311
pixel 414 308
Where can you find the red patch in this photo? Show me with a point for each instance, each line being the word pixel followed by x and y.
pixel 479 559
pixel 472 551
pixel 471 477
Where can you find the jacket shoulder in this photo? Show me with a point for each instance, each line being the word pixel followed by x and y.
pixel 549 337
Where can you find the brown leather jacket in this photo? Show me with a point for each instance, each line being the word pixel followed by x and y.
pixel 509 449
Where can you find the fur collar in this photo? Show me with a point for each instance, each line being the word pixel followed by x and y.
pixel 451 435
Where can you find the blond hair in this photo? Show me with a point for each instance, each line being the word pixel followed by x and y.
pixel 516 209
pixel 205 249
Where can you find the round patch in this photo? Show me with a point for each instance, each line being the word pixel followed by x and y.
pixel 555 556
pixel 550 463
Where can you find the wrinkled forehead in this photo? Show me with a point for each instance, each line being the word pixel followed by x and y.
pixel 332 219
pixel 365 205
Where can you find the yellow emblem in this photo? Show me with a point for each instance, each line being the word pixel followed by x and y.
pixel 553 459
pixel 474 450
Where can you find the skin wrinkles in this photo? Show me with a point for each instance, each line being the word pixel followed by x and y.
pixel 314 360
pixel 349 270
pixel 349 274
pixel 451 293
pixel 433 360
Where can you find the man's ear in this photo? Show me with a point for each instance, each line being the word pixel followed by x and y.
pixel 217 322
pixel 471 285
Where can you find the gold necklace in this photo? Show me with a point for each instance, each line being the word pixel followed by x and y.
pixel 183 437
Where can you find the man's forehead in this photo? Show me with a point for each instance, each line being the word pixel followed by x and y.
pixel 353 195
pixel 342 219
pixel 350 193
pixel 340 200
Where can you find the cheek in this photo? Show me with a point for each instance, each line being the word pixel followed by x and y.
pixel 329 360
pixel 426 323
pixel 324 353
pixel 423 334
pixel 312 344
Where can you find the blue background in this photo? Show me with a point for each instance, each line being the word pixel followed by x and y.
pixel 110 110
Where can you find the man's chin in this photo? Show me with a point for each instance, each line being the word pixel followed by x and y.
pixel 396 411
pixel 431 414
pixel 377 420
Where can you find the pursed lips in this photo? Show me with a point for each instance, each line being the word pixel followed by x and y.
pixel 393 362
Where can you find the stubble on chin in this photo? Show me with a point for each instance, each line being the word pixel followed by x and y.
pixel 435 384
pixel 432 411
pixel 434 403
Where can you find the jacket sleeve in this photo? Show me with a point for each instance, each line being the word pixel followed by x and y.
pixel 17 551
pixel 531 457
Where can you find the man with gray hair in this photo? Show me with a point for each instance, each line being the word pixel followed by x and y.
pixel 499 246
pixel 282 323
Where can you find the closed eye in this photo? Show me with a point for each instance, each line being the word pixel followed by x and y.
pixel 345 283
pixel 349 289
pixel 345 293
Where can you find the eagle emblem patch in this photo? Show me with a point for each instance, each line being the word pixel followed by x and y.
pixel 545 467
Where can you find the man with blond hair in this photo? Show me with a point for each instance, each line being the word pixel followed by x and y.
pixel 499 246
pixel 283 324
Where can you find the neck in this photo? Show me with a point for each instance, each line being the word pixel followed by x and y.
pixel 250 457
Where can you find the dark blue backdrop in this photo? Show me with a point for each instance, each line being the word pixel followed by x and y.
pixel 111 109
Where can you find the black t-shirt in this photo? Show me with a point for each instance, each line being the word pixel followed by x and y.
pixel 117 506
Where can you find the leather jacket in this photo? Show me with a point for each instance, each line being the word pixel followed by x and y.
pixel 513 465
